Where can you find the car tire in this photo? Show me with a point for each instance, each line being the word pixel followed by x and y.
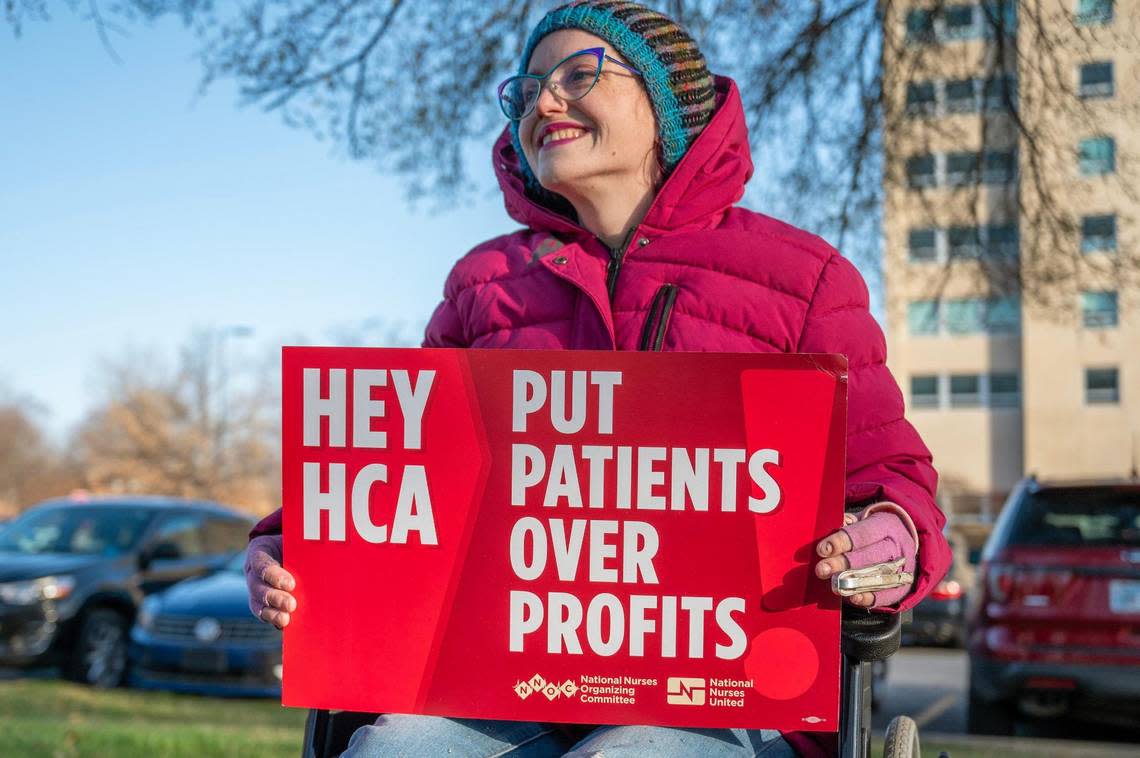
pixel 99 657
pixel 901 740
pixel 989 718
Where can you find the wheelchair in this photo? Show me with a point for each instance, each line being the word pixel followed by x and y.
pixel 866 638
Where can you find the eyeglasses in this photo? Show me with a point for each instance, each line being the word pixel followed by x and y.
pixel 571 78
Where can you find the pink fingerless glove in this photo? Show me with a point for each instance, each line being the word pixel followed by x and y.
pixel 263 551
pixel 883 532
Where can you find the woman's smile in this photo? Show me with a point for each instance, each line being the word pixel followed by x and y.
pixel 560 133
pixel 561 137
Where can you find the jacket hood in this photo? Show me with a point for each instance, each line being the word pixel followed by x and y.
pixel 707 182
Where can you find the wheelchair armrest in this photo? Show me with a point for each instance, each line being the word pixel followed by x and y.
pixel 868 636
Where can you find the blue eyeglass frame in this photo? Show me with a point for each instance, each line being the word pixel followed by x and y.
pixel 599 52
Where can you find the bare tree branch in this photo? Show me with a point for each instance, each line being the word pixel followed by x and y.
pixel 409 86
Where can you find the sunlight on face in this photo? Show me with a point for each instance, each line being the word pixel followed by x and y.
pixel 607 136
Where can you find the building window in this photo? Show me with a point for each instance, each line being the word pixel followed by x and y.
pixel 919 26
pixel 961 169
pixel 1003 315
pixel 960 97
pixel 1098 309
pixel 1093 12
pixel 1001 241
pixel 999 93
pixel 922 317
pixel 922 246
pixel 999 167
pixel 1000 17
pixel 965 391
pixel 1097 155
pixel 958 22
pixel 965 316
pixel 920 171
pixel 1098 234
pixel 1102 385
pixel 964 242
pixel 924 391
pixel 1096 80
pixel 921 99
pixel 1005 391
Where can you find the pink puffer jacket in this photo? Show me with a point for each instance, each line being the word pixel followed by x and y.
pixel 698 274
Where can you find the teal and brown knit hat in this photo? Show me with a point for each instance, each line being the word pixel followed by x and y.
pixel 673 69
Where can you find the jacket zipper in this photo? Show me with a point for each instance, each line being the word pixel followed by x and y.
pixel 617 254
pixel 657 321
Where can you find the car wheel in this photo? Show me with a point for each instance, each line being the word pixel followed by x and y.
pixel 99 657
pixel 901 740
pixel 985 717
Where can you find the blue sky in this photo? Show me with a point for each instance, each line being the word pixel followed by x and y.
pixel 134 212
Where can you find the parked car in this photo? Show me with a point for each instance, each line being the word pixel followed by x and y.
pixel 940 619
pixel 73 573
pixel 199 636
pixel 1055 626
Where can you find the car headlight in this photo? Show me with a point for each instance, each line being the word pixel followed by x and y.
pixel 147 612
pixel 35 590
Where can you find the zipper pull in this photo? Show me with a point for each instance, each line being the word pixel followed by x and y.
pixel 617 254
pixel 612 269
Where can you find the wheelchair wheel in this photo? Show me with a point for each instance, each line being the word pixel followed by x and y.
pixel 902 738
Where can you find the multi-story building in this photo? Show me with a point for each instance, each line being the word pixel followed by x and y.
pixel 1001 382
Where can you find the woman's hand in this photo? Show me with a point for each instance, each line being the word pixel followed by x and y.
pixel 880 533
pixel 269 584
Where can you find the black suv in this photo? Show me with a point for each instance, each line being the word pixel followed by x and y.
pixel 73 573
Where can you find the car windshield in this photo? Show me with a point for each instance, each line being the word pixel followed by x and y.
pixel 87 530
pixel 237 563
pixel 1103 516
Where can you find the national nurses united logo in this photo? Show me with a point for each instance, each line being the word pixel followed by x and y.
pixel 685 690
pixel 552 690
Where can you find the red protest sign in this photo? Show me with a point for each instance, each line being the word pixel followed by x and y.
pixel 567 536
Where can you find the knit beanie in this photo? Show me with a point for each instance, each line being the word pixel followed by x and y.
pixel 672 67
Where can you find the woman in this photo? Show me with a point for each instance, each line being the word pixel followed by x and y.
pixel 624 158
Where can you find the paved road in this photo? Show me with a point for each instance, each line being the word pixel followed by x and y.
pixel 929 685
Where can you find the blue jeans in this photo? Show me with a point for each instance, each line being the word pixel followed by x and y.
pixel 399 736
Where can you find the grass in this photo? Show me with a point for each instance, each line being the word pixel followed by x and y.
pixel 46 717
pixel 61 719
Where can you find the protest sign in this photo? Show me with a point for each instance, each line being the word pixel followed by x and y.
pixel 563 536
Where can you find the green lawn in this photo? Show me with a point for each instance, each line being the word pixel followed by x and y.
pixel 45 717
pixel 61 719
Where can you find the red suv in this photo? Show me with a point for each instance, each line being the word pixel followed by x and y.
pixel 1054 625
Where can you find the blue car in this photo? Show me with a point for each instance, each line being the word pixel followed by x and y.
pixel 199 636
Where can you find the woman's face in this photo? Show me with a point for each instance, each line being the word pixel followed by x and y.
pixel 609 134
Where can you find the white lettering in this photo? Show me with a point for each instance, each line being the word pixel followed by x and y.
pixel 525 617
pixel 315 406
pixel 524 527
pixel 764 481
pixel 361 487
pixel 364 408
pixel 413 401
pixel 315 501
pixel 413 508
pixel 528 395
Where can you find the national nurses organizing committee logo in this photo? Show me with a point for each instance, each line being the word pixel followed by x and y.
pixel 552 690
pixel 685 690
